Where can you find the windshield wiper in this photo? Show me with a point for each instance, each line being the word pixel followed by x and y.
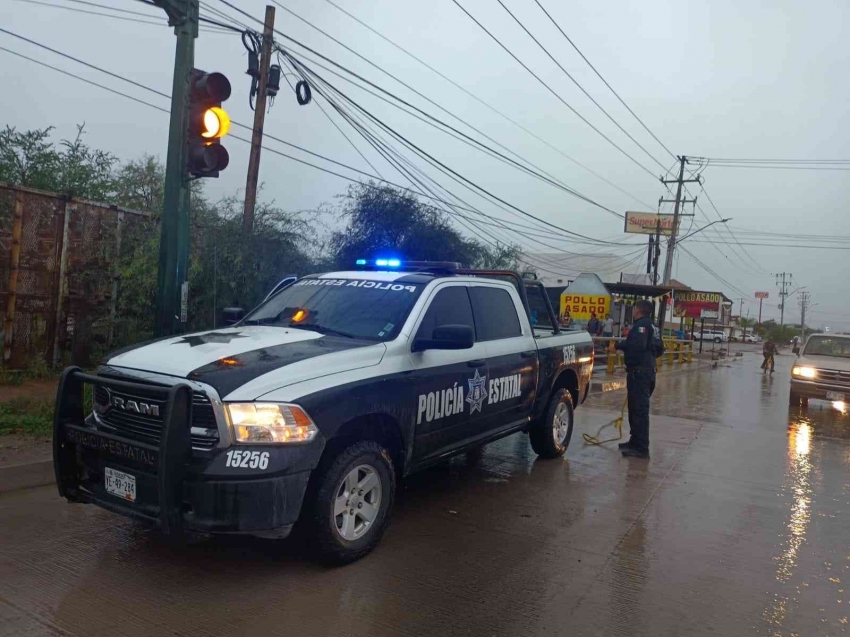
pixel 321 329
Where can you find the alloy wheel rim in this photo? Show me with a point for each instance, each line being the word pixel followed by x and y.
pixel 357 502
pixel 560 424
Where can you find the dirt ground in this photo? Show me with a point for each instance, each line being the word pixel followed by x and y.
pixel 35 389
pixel 20 449
pixel 23 448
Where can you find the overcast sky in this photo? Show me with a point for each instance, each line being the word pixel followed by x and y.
pixel 729 78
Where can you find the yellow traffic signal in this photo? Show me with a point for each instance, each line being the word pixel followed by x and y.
pixel 216 123
pixel 208 123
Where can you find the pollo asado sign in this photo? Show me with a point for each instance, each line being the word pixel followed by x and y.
pixel 691 304
pixel 581 306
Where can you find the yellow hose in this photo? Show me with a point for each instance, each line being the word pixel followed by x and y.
pixel 617 422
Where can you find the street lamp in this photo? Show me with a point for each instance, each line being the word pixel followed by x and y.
pixel 690 234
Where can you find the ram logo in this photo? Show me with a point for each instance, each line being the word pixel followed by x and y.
pixel 135 406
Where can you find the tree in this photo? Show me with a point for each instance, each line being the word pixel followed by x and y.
pixel 28 158
pixel 83 171
pixel 382 220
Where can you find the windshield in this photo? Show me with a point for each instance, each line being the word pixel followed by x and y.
pixel 356 308
pixel 828 346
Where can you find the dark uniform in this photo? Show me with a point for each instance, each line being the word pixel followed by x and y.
pixel 639 355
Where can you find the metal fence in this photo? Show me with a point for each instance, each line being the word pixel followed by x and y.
pixel 59 272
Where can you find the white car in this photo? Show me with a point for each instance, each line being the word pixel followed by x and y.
pixel 752 338
pixel 822 370
pixel 718 336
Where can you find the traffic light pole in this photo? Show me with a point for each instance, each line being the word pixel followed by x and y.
pixel 172 276
pixel 259 120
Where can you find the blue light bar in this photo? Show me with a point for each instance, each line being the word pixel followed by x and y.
pixel 381 263
pixel 360 262
pixel 394 263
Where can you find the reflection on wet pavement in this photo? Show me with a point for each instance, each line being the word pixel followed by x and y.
pixel 737 526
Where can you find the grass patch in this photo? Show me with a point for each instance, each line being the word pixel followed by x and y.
pixel 32 416
pixel 36 370
pixel 26 416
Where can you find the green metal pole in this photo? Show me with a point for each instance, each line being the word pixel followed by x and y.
pixel 172 278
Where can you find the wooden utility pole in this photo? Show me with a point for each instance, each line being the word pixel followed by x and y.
pixel 173 274
pixel 671 243
pixel 259 119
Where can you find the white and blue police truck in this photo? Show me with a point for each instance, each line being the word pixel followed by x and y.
pixel 310 408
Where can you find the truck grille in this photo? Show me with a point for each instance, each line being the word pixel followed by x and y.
pixel 142 417
pixel 833 377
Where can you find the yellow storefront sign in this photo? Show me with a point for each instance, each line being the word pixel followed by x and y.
pixel 581 306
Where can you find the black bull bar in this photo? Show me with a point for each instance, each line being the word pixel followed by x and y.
pixel 169 459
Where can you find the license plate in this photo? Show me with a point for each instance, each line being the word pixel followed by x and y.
pixel 121 484
pixel 835 395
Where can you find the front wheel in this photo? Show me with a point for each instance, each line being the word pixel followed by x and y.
pixel 550 436
pixel 718 340
pixel 352 503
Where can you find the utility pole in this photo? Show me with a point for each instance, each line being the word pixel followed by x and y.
pixel 649 255
pixel 172 275
pixel 805 298
pixel 259 119
pixel 671 244
pixel 783 282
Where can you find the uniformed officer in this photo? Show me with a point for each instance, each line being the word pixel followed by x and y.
pixel 640 351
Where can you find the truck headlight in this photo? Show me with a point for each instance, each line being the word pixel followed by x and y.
pixel 803 372
pixel 270 423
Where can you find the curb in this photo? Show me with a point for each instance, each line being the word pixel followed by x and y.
pixel 27 475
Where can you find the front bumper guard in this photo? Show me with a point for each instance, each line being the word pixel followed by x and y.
pixel 169 459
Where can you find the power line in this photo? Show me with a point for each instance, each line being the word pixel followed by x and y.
pixel 774 161
pixel 604 81
pixel 466 140
pixel 162 23
pixel 551 90
pixel 485 103
pixel 580 87
pixel 778 167
pixel 455 175
pixel 82 79
pixel 79 61
pixel 540 173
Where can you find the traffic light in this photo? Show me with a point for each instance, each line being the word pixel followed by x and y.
pixel 208 123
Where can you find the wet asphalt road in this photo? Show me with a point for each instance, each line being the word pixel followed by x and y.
pixel 739 525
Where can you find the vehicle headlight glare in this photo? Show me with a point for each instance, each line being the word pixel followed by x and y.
pixel 270 423
pixel 803 372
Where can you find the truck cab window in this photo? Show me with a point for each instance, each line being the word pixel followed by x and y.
pixel 495 313
pixel 449 307
pixel 537 306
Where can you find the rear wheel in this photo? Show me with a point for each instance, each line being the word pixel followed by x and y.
pixel 352 503
pixel 550 436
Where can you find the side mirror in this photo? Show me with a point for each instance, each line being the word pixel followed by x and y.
pixel 447 337
pixel 232 315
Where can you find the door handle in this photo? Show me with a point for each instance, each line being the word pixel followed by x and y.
pixel 478 362
pixel 528 354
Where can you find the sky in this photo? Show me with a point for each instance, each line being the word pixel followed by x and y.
pixel 726 79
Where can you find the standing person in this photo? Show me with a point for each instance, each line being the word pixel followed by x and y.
pixel 608 327
pixel 593 325
pixel 768 351
pixel 641 347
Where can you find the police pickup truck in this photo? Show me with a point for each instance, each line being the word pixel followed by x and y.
pixel 311 407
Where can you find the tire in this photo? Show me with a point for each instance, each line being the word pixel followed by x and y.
pixel 344 538
pixel 794 399
pixel 718 340
pixel 548 439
